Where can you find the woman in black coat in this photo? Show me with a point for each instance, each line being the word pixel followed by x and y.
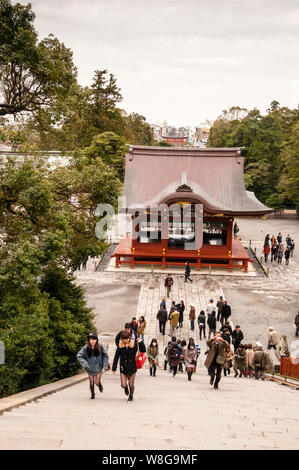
pixel 181 308
pixel 126 353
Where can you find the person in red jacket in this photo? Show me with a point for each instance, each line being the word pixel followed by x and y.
pixel 266 252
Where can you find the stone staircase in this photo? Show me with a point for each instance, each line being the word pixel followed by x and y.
pixel 167 413
pixel 198 293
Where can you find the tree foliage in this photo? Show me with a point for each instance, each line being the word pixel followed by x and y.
pixel 47 220
pixel 33 75
pixel 48 214
pixel 270 149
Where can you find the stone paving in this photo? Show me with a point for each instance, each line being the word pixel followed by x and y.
pixel 167 412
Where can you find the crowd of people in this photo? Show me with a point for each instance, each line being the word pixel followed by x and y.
pixel 226 349
pixel 278 250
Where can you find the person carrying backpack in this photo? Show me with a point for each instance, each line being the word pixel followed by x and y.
pixel 168 284
pixel 260 361
pixel 201 320
pixel 173 356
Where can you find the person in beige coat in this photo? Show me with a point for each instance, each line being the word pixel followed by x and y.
pixel 174 319
pixel 283 347
pixel 216 357
pixel 249 363
pixel 229 361
pixel 190 356
pixel 141 325
pixel 272 338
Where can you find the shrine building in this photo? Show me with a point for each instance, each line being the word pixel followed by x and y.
pixel 207 185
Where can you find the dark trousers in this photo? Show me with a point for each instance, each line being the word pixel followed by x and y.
pixel 259 372
pixel 271 346
pixel 214 367
pixel 174 369
pixel 192 325
pixel 202 329
pixel 187 277
pixel 162 327
pixel 165 364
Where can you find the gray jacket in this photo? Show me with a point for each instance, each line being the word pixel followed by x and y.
pixel 93 364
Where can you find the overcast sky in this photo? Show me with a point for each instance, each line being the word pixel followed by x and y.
pixel 183 60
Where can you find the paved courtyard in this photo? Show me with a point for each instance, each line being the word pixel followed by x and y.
pixel 257 301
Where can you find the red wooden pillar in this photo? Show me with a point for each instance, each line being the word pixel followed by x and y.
pixel 245 264
pixel 117 261
pixel 229 242
pixel 198 260
pixel 132 261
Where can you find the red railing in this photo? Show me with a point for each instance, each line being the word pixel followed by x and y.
pixel 289 367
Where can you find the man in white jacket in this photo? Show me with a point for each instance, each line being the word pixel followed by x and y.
pixel 272 338
pixel 211 307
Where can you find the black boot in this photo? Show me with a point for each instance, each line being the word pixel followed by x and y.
pixel 189 375
pixel 126 390
pixel 101 388
pixel 216 384
pixel 151 371
pixel 92 392
pixel 212 380
pixel 130 397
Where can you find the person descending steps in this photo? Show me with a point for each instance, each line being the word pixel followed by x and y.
pixel 93 358
pixel 126 353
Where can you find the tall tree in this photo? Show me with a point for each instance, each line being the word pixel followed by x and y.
pixel 137 130
pixel 33 75
pixel 47 220
pixel 263 138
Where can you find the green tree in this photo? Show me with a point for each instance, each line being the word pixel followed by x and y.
pixel 137 130
pixel 111 149
pixel 263 139
pixel 33 75
pixel 288 184
pixel 47 220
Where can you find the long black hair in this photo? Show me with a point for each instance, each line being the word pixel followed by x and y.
pixel 95 351
pixel 191 343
